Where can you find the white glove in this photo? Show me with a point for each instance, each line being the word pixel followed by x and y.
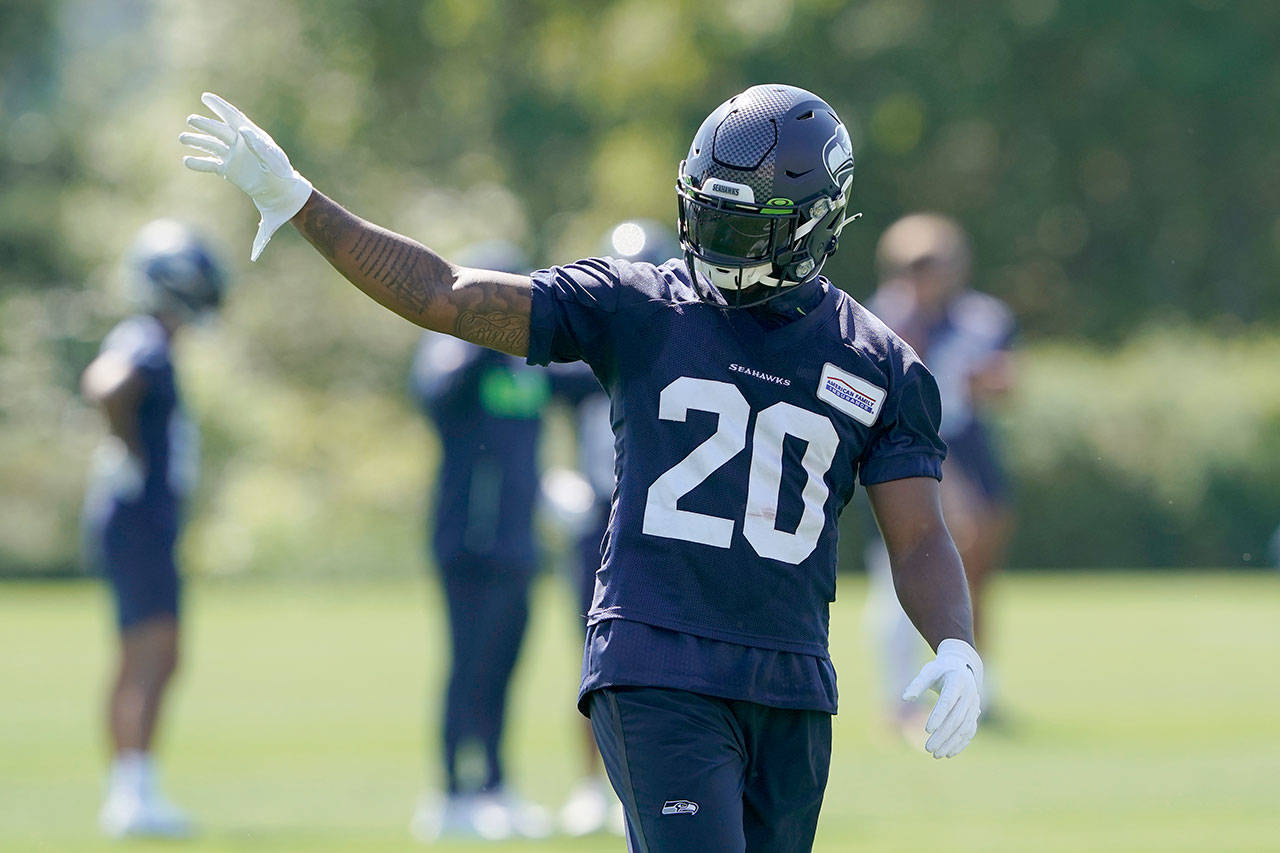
pixel 248 157
pixel 954 720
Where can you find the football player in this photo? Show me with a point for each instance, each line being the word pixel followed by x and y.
pixel 965 338
pixel 133 510
pixel 748 395
pixel 487 409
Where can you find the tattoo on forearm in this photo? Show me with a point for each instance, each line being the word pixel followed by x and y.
pixel 499 330
pixel 399 266
pixel 416 283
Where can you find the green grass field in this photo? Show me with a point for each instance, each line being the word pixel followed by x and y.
pixel 1146 716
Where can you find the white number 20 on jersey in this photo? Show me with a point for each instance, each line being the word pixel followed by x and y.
pixel 663 518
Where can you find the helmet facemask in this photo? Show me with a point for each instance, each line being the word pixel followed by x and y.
pixel 752 253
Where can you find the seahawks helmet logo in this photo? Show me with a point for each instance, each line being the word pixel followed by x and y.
pixel 838 155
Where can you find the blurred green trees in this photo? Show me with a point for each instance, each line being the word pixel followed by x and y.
pixel 1112 160
pixel 1116 163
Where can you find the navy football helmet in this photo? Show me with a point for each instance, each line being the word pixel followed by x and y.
pixel 641 240
pixel 763 193
pixel 171 270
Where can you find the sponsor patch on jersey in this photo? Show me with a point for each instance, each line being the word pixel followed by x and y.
pixel 679 807
pixel 851 394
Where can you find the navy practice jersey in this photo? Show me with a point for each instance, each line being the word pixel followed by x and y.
pixel 168 439
pixel 488 409
pixel 736 446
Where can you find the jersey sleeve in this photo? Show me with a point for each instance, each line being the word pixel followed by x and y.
pixel 573 309
pixel 140 342
pixel 905 440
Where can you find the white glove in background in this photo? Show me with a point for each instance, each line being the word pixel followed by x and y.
pixel 249 158
pixel 956 673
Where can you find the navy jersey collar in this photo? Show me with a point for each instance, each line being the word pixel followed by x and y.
pixel 747 326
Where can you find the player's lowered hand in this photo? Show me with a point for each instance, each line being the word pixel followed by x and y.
pixel 956 673
pixel 247 156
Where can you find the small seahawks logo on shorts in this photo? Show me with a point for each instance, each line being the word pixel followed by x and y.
pixel 680 807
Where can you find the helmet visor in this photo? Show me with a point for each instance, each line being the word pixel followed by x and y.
pixel 725 233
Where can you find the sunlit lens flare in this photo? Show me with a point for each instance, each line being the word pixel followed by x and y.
pixel 628 239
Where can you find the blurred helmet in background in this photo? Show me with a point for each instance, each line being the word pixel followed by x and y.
pixel 641 240
pixel 763 192
pixel 171 270
pixel 497 255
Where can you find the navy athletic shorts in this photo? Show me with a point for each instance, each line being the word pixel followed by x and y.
pixel 699 773
pixel 138 561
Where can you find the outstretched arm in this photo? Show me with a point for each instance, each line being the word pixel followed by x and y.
pixel 930 581
pixel 484 307
pixel 481 306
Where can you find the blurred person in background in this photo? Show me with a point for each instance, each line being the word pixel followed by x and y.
pixel 964 337
pixel 487 409
pixel 142 474
pixel 706 669
pixel 592 806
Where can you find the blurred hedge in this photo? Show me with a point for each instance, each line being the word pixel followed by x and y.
pixel 1164 452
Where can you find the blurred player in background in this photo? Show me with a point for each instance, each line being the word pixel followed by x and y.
pixel 133 511
pixel 592 805
pixel 487 408
pixel 749 396
pixel 964 337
